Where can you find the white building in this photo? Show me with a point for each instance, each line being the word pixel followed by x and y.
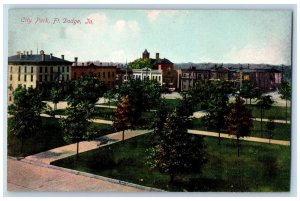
pixel 147 73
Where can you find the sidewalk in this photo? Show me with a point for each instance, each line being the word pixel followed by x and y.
pixel 250 139
pixel 69 150
pixel 23 176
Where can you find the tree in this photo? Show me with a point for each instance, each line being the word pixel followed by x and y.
pixel 177 151
pixel 141 63
pixel 217 110
pixel 144 95
pixel 239 120
pixel 87 90
pixel 264 103
pixel 285 92
pixel 248 91
pixel 109 95
pixel 270 126
pixel 56 94
pixel 123 116
pixel 25 111
pixel 76 125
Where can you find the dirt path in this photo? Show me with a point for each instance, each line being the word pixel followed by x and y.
pixel 69 150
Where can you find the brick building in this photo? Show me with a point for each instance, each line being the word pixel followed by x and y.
pixel 105 73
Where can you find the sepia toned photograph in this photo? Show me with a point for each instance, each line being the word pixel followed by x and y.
pixel 149 100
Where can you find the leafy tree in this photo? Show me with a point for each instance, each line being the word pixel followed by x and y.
pixel 270 126
pixel 239 120
pixel 177 151
pixel 285 92
pixel 109 95
pixel 264 103
pixel 248 91
pixel 141 63
pixel 86 90
pixel 144 95
pixel 56 94
pixel 25 111
pixel 76 125
pixel 123 116
pixel 217 110
pixel 186 105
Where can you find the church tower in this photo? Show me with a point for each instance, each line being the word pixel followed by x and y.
pixel 146 54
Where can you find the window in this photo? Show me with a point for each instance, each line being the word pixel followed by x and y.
pixel 31 69
pixel 31 86
pixel 19 71
pixel 19 77
pixel 41 69
pixel 75 75
pixel 19 85
pixel 40 78
pixel 113 74
pixel 11 69
pixel 68 77
pixel 63 69
pixel 58 69
pixel 46 78
pixel 25 78
pixel 46 69
pixel 67 69
pixel 103 74
pixel 99 75
pixel 25 69
pixel 24 86
pixel 63 77
pixel 10 87
pixel 108 74
pixel 10 77
pixel 31 78
pixel 51 77
pixel 10 98
pixel 51 69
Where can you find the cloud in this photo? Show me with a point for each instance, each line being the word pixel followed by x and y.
pixel 120 24
pixel 274 52
pixel 127 28
pixel 153 15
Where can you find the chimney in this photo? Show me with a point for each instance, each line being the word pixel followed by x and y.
pixel 30 52
pixel 24 52
pixel 50 55
pixel 76 60
pixel 43 55
pixel 63 57
pixel 21 55
pixel 27 53
pixel 157 56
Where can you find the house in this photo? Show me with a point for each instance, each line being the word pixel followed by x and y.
pixel 147 73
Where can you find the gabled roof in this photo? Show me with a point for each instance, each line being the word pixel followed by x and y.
pixel 145 52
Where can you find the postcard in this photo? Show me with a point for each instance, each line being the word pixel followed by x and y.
pixel 141 100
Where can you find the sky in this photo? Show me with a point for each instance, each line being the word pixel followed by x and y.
pixel 199 36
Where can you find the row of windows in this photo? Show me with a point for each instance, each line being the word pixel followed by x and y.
pixel 59 69
pixel 153 77
pixel 25 69
pixel 63 78
pixel 109 74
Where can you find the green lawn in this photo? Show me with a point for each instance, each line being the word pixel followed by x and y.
pixel 260 167
pixel 276 112
pixel 281 131
pixel 49 137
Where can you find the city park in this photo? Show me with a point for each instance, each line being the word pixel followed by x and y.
pixel 175 153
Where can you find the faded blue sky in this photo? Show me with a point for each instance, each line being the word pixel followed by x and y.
pixel 225 36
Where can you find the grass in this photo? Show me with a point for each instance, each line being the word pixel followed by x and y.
pixel 281 131
pixel 276 112
pixel 49 136
pixel 260 167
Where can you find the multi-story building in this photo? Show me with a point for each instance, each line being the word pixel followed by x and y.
pixel 188 78
pixel 105 73
pixel 36 70
pixel 148 73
